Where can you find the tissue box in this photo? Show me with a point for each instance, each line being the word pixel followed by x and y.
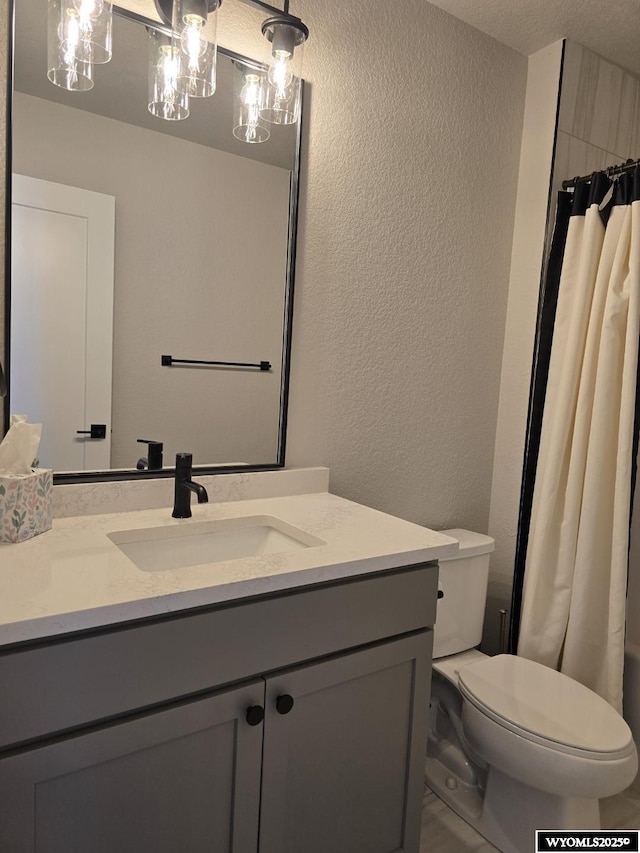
pixel 25 505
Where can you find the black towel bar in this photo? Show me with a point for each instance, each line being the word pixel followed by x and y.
pixel 169 360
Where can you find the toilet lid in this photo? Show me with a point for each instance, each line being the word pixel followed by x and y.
pixel 545 706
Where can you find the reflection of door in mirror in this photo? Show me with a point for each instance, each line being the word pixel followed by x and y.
pixel 62 246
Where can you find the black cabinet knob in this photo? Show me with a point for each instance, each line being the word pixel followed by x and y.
pixel 255 715
pixel 284 703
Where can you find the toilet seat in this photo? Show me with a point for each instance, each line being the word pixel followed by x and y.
pixel 545 707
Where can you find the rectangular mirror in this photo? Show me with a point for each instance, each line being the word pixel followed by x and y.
pixel 140 246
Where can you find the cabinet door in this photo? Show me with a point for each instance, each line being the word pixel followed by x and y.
pixel 343 767
pixel 182 779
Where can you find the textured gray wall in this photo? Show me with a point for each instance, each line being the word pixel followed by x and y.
pixel 414 143
pixel 536 159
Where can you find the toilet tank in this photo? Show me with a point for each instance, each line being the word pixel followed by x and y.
pixel 463 582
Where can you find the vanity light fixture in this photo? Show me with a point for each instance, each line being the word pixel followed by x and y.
pixel 285 37
pixel 68 54
pixel 165 99
pixel 197 52
pixel 182 62
pixel 96 18
pixel 78 37
pixel 276 92
pixel 248 97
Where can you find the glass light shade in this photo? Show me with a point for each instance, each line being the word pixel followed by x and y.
pixel 282 94
pixel 68 53
pixel 96 17
pixel 197 74
pixel 247 99
pixel 165 101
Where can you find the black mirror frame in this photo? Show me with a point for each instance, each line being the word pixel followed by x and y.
pixel 294 193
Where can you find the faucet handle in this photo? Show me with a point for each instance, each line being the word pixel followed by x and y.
pixel 184 460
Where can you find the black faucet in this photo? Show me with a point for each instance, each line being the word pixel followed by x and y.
pixel 184 486
pixel 153 460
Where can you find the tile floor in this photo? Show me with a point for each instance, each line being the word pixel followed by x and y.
pixel 623 810
pixel 444 832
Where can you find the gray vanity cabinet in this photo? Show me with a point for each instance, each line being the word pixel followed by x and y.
pixel 137 738
pixel 183 779
pixel 339 770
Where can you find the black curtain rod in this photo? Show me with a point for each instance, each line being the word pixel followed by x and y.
pixel 611 172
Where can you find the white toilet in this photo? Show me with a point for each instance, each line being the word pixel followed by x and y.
pixel 513 745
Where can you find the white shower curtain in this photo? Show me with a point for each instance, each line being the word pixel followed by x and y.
pixel 573 607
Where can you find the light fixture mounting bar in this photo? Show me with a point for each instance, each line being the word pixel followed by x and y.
pixel 165 9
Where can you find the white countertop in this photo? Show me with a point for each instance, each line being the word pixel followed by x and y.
pixel 74 578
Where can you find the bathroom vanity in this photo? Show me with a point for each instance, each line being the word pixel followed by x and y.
pixel 273 703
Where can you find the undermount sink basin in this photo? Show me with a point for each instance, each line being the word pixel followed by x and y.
pixel 158 549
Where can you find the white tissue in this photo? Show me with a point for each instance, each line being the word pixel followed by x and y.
pixel 19 447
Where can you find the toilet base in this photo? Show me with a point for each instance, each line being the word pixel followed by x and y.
pixel 508 813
